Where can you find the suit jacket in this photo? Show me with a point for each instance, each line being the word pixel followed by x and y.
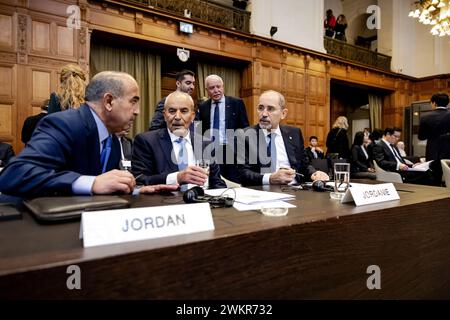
pixel 310 155
pixel 384 157
pixel 29 125
pixel 337 142
pixel 6 153
pixel 432 125
pixel 54 105
pixel 152 157
pixel 359 161
pixel 235 114
pixel 64 147
pixel 250 174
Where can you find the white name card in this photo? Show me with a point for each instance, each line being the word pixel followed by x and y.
pixel 117 226
pixel 364 194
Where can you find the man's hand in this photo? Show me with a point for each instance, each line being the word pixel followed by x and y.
pixel 403 167
pixel 318 149
pixel 114 181
pixel 282 176
pixel 319 175
pixel 192 174
pixel 158 188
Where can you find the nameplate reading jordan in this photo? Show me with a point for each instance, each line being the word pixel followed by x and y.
pixel 364 194
pixel 117 226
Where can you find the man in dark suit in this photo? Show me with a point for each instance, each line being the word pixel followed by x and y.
pixel 219 114
pixel 185 82
pixel 168 155
pixel 6 153
pixel 434 124
pixel 274 153
pixel 388 158
pixel 76 151
pixel 313 151
pixel 31 122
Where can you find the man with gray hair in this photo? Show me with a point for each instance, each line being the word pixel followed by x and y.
pixel 76 151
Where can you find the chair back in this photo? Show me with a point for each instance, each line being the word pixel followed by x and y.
pixel 386 176
pixel 320 164
pixel 445 163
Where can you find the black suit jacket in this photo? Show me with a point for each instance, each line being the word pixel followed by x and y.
pixel 250 174
pixel 310 155
pixel 6 153
pixel 152 157
pixel 235 114
pixel 432 126
pixel 384 157
pixel 359 161
pixel 29 125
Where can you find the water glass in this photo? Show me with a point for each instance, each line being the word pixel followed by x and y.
pixel 341 180
pixel 204 164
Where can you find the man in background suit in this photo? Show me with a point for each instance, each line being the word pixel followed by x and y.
pixel 185 82
pixel 31 122
pixel 65 154
pixel 168 155
pixel 388 158
pixel 434 124
pixel 313 151
pixel 218 114
pixel 274 152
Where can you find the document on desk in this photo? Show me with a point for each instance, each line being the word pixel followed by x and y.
pixel 421 166
pixel 249 199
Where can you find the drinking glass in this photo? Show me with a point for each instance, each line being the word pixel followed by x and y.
pixel 341 180
pixel 204 164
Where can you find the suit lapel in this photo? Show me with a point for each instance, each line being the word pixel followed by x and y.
pixel 228 114
pixel 166 144
pixel 92 141
pixel 288 145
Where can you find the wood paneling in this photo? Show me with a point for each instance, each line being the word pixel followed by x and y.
pixel 65 41
pixel 41 37
pixel 6 82
pixel 5 120
pixel 6 31
pixel 40 85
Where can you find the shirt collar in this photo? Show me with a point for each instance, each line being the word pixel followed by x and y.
pixel 101 128
pixel 277 131
pixel 174 138
pixel 221 101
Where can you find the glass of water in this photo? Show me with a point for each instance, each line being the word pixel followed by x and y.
pixel 204 164
pixel 341 180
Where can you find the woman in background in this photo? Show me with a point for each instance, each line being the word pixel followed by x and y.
pixel 361 166
pixel 339 28
pixel 70 93
pixel 337 140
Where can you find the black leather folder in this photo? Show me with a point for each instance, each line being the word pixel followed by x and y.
pixel 60 209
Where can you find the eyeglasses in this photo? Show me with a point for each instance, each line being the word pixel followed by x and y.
pixel 396 136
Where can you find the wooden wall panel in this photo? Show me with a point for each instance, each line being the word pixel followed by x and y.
pixel 6 31
pixel 40 85
pixel 41 37
pixel 65 44
pixel 6 82
pixel 6 120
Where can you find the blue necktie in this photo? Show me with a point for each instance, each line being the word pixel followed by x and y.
pixel 106 151
pixel 272 151
pixel 182 154
pixel 216 121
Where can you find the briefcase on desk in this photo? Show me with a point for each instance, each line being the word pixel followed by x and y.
pixel 61 209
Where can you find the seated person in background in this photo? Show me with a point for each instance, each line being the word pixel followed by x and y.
pixel 388 158
pixel 273 152
pixel 168 155
pixel 6 153
pixel 375 138
pixel 76 151
pixel 31 122
pixel 401 148
pixel 313 151
pixel 361 166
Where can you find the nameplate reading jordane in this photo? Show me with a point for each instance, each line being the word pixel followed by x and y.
pixel 364 194
pixel 117 226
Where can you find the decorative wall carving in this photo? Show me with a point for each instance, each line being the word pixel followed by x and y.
pixel 22 38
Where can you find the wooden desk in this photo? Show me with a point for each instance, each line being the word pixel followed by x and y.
pixel 321 249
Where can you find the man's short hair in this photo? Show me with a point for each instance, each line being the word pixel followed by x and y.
pixel 180 75
pixel 313 137
pixel 180 94
pixel 391 130
pixel 106 81
pixel 282 100
pixel 440 98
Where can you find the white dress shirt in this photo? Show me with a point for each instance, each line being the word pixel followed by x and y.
pixel 172 177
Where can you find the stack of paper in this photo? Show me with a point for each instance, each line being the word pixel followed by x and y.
pixel 249 199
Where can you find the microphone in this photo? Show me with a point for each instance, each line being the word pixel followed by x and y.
pixel 197 195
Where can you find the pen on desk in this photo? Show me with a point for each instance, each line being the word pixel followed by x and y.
pixel 296 173
pixel 138 176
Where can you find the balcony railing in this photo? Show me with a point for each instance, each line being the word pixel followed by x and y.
pixel 213 13
pixel 357 54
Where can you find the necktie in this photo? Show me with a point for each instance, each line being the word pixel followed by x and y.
pixel 396 154
pixel 216 121
pixel 272 151
pixel 182 154
pixel 106 151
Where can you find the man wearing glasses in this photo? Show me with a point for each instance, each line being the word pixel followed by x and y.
pixel 388 157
